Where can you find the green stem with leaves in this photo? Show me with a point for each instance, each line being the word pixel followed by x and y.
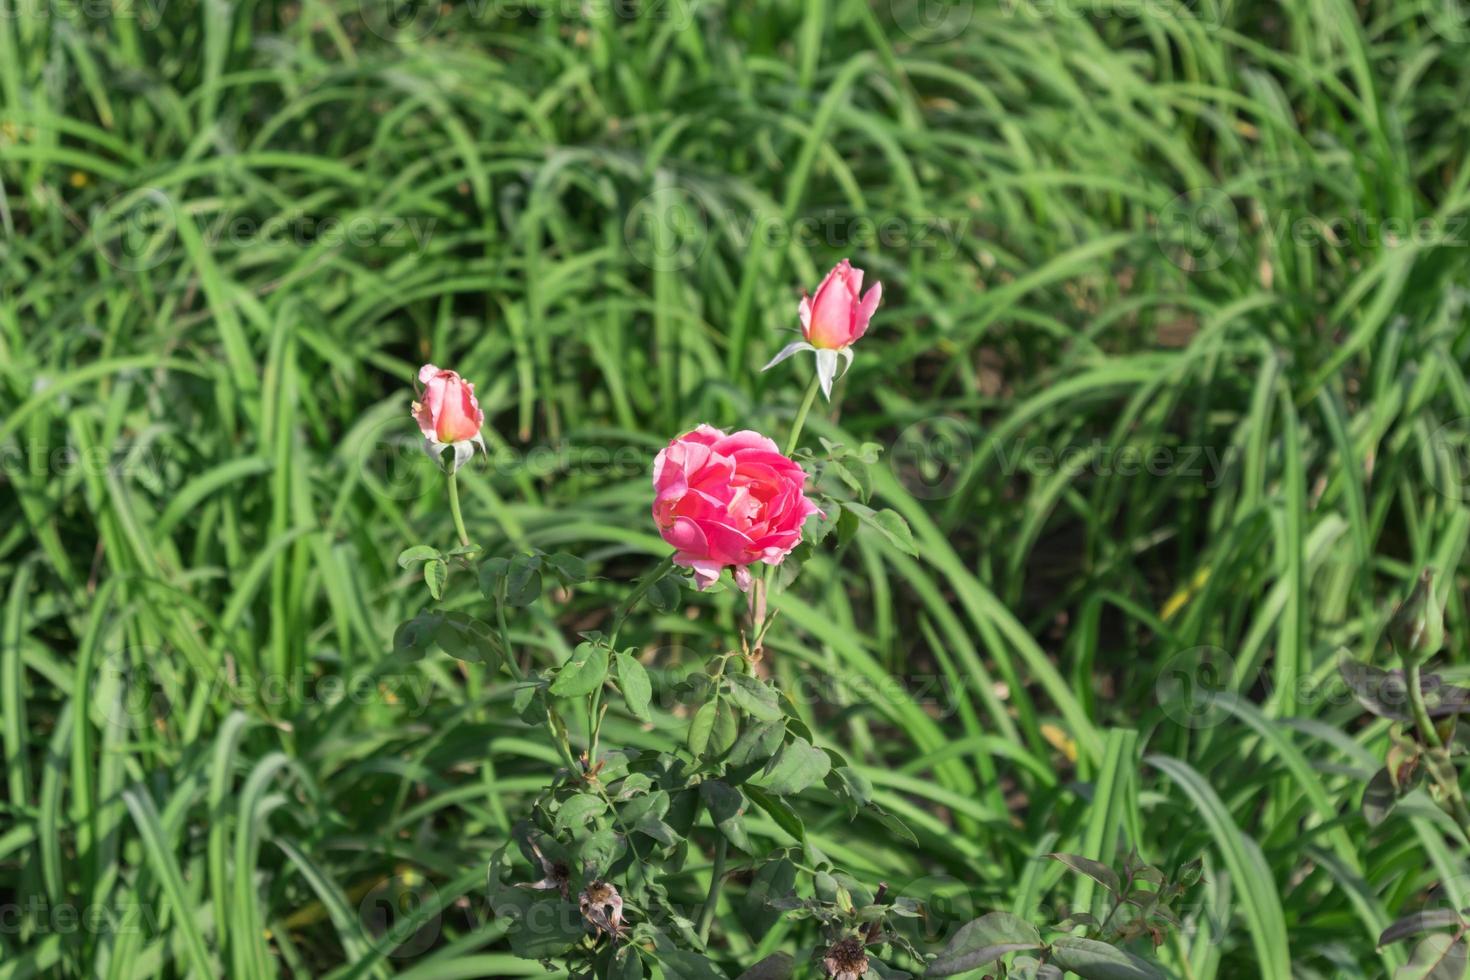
pixel 1455 797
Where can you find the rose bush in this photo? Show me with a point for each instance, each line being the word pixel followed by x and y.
pixel 593 877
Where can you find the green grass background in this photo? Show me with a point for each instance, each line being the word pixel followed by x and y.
pixel 1168 372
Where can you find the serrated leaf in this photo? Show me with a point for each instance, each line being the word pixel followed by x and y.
pixel 663 594
pixel 523 581
pixel 1093 960
pixel 757 743
pixel 583 673
pixel 785 817
pixel 755 698
pixel 896 530
pixel 417 635
pixel 600 850
pixel 436 576
pixel 418 553
pixel 578 811
pixel 772 888
pixel 679 964
pixel 700 728
pixel 626 964
pixel 726 808
pixel 653 804
pixel 1096 870
pixel 464 637
pixel 856 476
pixel 894 825
pixel 569 568
pixel 491 573
pixel 847 523
pixel 823 523
pixel 1379 797
pixel 984 940
pixel 636 784
pixel 851 787
pixel 1386 692
pixel 637 689
pixel 725 732
pixel 798 766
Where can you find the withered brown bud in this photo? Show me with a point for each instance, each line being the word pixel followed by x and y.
pixel 555 876
pixel 602 907
pixel 846 959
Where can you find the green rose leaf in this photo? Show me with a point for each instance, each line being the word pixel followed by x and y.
pixel 492 573
pixel 1093 960
pixel 579 811
pixel 636 688
pixel 626 964
pixel 464 637
pixel 798 766
pixel 701 728
pixel 583 673
pixel 418 553
pixel 436 576
pixel 726 730
pixel 755 698
pixel 569 568
pixel 663 595
pixel 785 817
pixel 726 807
pixel 984 940
pixel 417 635
pixel 1096 870
pixel 523 581
pixel 758 743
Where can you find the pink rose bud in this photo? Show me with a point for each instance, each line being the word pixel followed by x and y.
pixel 728 500
pixel 833 320
pixel 448 414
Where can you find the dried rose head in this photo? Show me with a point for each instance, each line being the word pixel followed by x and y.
pixel 555 875
pixel 602 906
pixel 845 959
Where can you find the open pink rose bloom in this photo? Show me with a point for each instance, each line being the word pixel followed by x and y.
pixel 833 320
pixel 448 414
pixel 728 500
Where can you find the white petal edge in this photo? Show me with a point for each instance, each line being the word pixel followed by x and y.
pixel 462 452
pixel 846 353
pixel 795 347
pixel 826 370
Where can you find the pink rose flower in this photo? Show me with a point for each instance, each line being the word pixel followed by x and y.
pixel 832 321
pixel 448 414
pixel 728 500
